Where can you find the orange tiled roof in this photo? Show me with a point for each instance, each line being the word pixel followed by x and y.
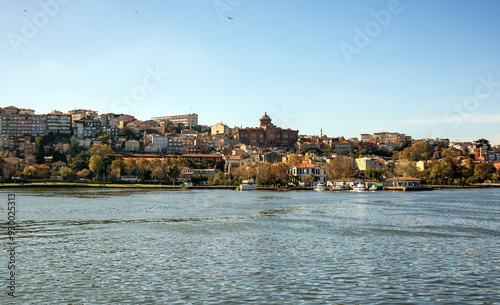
pixel 404 179
pixel 306 165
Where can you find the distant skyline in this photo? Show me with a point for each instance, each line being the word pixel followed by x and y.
pixel 426 69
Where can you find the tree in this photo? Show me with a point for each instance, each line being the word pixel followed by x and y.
pixel 264 174
pixel 127 132
pixel 42 170
pixel 105 139
pixel 218 179
pixel 66 172
pixel 340 167
pixel 280 173
pixel 101 150
pixel 406 169
pixel 484 171
pixel 96 164
pixel 468 168
pixel 129 166
pixel 143 166
pixel 80 161
pixel 84 173
pixel 417 152
pixel 157 169
pixel 451 152
pixel 73 150
pixel 29 171
pixel 173 172
pixel 308 179
pixel 116 168
pixel 294 160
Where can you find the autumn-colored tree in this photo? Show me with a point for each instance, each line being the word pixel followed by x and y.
pixel 84 173
pixel 280 173
pixel 293 160
pixel 29 171
pixel 340 167
pixel 116 168
pixel 157 169
pixel 42 170
pixel 129 165
pixel 143 166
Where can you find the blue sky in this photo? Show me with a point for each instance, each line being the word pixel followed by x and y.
pixel 427 69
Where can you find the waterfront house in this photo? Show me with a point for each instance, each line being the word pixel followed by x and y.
pixel 343 182
pixel 405 182
pixel 307 169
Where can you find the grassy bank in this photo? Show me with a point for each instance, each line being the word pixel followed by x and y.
pixel 88 184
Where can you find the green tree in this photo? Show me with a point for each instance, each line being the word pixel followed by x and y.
pixel 451 152
pixel 172 172
pixel 66 172
pixel 127 132
pixel 484 171
pixel 96 164
pixel 406 169
pixel 417 152
pixel 102 150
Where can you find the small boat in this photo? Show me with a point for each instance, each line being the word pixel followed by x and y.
pixel 373 188
pixel 359 188
pixel 247 185
pixel 320 187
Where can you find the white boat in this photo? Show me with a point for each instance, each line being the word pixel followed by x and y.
pixel 247 185
pixel 373 188
pixel 320 187
pixel 359 188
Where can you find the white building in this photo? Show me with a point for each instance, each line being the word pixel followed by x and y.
pixel 309 169
pixel 186 119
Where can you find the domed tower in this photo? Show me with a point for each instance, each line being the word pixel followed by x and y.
pixel 265 120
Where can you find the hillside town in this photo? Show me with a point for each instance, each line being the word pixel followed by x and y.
pixel 83 145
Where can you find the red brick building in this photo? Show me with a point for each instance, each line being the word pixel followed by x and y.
pixel 268 134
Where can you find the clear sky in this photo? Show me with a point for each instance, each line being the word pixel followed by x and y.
pixel 424 68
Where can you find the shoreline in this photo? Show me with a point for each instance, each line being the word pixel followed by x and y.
pixel 168 186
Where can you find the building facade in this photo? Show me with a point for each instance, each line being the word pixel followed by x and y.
pixel 268 134
pixel 186 119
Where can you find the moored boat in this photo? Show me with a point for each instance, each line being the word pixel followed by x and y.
pixel 359 188
pixel 247 185
pixel 320 187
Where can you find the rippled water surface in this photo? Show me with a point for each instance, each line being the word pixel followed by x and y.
pixel 100 246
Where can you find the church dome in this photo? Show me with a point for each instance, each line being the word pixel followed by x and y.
pixel 265 117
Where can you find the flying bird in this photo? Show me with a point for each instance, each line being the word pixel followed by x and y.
pixel 25 10
pixel 229 18
pixel 136 11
